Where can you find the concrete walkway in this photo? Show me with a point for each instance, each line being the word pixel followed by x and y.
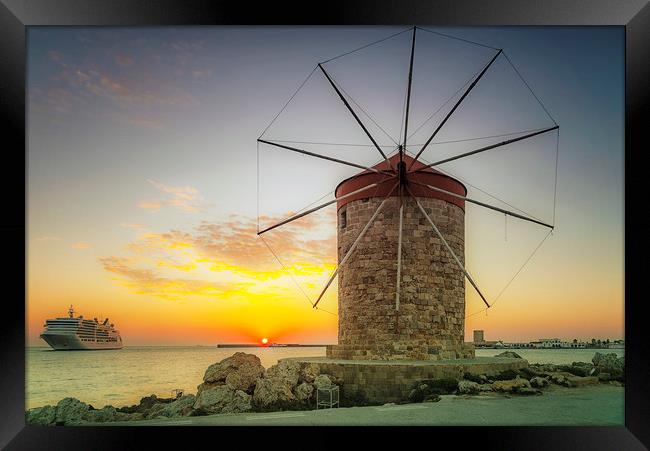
pixel 586 406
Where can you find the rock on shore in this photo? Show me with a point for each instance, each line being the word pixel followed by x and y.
pixel 240 383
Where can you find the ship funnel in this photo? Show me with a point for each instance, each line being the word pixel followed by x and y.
pixel 71 312
pixel 105 321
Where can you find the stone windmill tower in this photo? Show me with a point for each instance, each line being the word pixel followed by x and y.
pixel 401 245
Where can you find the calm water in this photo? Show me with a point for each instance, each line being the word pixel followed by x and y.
pixel 122 377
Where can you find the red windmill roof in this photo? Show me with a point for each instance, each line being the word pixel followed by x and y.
pixel 427 176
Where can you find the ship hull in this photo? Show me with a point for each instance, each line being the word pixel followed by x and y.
pixel 71 342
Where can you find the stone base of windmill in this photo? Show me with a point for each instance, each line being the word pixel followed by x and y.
pixel 403 350
pixel 385 381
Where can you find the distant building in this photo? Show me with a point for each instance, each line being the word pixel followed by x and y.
pixel 478 336
pixel 550 343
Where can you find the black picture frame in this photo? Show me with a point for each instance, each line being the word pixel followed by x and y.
pixel 16 15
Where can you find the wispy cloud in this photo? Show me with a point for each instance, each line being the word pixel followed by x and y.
pixel 185 198
pixel 123 60
pixel 48 238
pixel 226 258
pixel 81 245
pixel 113 85
pixel 133 226
pixel 146 281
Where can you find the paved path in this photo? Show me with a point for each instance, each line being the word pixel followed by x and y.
pixel 585 406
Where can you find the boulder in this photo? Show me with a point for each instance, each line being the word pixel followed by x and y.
pixel 577 381
pixel 221 399
pixel 183 406
pixel 604 377
pixel 478 378
pixel 560 379
pixel 239 371
pixel 468 388
pixel 539 382
pixel 577 368
pixel 527 391
pixel 509 354
pixel 70 411
pixel 609 363
pixel 145 404
pixel 309 372
pixel 107 413
pixel 543 368
pixel 511 386
pixel 41 416
pixel 287 371
pixel 273 394
pixel 304 392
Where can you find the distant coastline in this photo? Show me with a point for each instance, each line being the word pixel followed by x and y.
pixel 273 345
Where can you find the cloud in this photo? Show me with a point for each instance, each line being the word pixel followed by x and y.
pixel 185 198
pixel 48 238
pixel 81 245
pixel 133 226
pixel 227 258
pixel 110 85
pixel 146 281
pixel 123 60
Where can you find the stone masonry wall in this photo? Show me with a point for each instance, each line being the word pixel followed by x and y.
pixel 430 322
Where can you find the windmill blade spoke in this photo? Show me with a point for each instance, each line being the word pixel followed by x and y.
pixel 490 147
pixel 355 244
pixel 312 210
pixel 356 117
pixel 435 229
pixel 312 154
pixel 467 91
pixel 482 204
pixel 408 91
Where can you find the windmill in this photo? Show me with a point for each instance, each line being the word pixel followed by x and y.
pixel 403 297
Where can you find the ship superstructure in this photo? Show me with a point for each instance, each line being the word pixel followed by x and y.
pixel 77 333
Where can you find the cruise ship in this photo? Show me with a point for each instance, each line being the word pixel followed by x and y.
pixel 77 333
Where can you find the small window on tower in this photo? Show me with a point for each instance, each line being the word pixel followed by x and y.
pixel 344 219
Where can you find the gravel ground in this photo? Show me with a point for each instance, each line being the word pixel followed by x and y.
pixel 600 405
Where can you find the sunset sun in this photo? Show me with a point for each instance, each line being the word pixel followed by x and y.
pixel 265 340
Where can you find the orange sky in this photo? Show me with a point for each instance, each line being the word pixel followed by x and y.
pixel 142 187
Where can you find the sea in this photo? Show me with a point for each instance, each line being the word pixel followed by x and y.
pixel 121 377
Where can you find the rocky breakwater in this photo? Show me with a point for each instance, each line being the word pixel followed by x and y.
pixel 236 384
pixel 533 380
